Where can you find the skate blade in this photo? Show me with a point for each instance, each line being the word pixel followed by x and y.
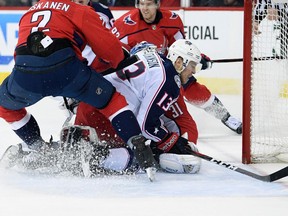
pixel 151 173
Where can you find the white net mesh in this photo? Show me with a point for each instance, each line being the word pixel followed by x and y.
pixel 269 86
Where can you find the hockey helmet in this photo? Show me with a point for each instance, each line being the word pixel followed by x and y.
pixel 82 2
pixel 137 2
pixel 187 51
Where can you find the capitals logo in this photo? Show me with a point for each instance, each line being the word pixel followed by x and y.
pixel 174 15
pixel 127 20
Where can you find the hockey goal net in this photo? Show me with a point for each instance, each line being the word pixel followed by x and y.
pixel 265 83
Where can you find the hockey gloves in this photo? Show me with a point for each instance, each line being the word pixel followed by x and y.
pixel 206 62
pixel 172 144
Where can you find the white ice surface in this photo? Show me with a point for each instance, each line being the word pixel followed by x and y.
pixel 214 191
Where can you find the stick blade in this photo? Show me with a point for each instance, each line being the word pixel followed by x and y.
pixel 279 174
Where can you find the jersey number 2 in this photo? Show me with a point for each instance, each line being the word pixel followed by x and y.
pixel 45 17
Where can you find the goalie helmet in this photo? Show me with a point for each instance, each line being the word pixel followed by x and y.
pixel 143 46
pixel 187 51
pixel 137 2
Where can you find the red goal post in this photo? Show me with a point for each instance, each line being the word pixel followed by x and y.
pixel 265 84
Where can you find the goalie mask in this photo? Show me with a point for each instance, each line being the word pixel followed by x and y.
pixel 143 46
pixel 138 3
pixel 187 51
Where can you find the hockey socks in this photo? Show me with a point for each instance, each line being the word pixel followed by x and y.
pixel 29 132
pixel 126 125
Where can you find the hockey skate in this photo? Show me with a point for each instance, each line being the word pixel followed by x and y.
pixel 11 156
pixel 232 123
pixel 39 154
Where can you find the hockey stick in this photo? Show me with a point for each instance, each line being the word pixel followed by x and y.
pixel 254 59
pixel 268 178
pixel 68 119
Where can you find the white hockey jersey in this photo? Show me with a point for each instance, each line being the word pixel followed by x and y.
pixel 150 86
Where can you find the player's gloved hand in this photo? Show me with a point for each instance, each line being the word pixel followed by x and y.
pixel 173 143
pixel 206 62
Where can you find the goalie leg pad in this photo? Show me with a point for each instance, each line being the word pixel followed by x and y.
pixel 175 163
pixel 118 159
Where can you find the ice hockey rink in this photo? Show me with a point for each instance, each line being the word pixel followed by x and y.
pixel 214 191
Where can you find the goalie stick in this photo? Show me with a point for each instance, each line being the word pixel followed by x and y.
pixel 268 178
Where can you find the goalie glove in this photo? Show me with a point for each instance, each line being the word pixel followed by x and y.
pixel 206 62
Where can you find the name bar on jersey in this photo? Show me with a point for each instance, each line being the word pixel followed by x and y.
pixel 50 5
